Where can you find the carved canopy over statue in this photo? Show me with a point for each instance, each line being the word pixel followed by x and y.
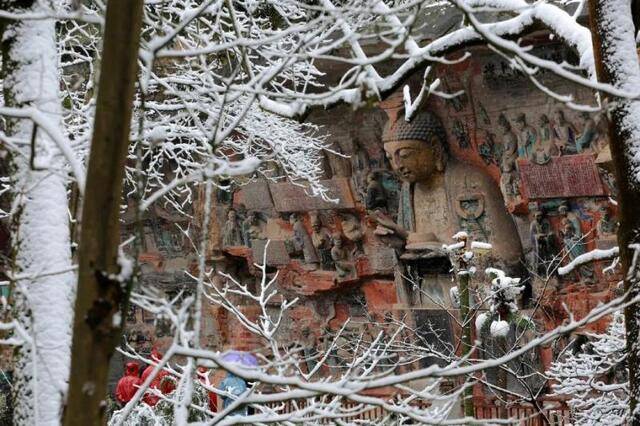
pixel 441 196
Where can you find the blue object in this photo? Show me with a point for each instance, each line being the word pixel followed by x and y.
pixel 239 357
pixel 235 386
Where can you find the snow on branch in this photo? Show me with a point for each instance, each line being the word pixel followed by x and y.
pixel 592 256
pixel 42 121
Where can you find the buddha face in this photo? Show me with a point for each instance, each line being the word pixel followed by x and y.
pixel 414 160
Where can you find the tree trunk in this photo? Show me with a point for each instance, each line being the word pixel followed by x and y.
pixel 40 225
pixel 101 292
pixel 617 63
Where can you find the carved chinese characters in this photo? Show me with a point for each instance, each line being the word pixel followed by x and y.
pixel 570 176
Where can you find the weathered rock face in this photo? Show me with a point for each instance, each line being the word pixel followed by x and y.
pixel 502 161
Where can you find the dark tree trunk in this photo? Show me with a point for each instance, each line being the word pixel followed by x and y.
pixel 97 327
pixel 613 38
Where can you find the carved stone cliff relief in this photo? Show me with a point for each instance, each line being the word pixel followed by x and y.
pixel 232 231
pixel 353 232
pixel 606 228
pixel 543 148
pixel 574 242
pixel 526 136
pixel 302 242
pixel 341 259
pixel 564 133
pixel 252 228
pixel 376 197
pixel 556 159
pixel 461 134
pixel 439 196
pixel 321 239
pixel 510 184
pixel 489 150
pixel 509 142
pixel 288 197
pixel 543 242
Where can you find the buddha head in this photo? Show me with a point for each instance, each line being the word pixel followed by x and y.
pixel 416 149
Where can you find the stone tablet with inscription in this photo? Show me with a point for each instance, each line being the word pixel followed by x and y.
pixel 293 198
pixel 567 176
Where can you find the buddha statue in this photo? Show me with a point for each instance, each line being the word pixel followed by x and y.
pixel 441 196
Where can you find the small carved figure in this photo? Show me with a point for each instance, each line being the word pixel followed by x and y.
pixel 241 212
pixel 540 154
pixel 231 231
pixel 241 215
pixel 567 217
pixel 589 132
pixel 527 136
pixel 302 243
pixel 607 226
pixel 352 231
pixel 543 149
pixel 564 133
pixel 601 140
pixel 509 142
pixel 322 242
pixel 376 196
pixel 575 246
pixel 509 182
pixel 340 257
pixel 542 241
pixel 251 228
pixel 573 240
pixel 545 132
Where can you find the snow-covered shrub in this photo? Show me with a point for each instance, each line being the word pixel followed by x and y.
pixel 595 377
